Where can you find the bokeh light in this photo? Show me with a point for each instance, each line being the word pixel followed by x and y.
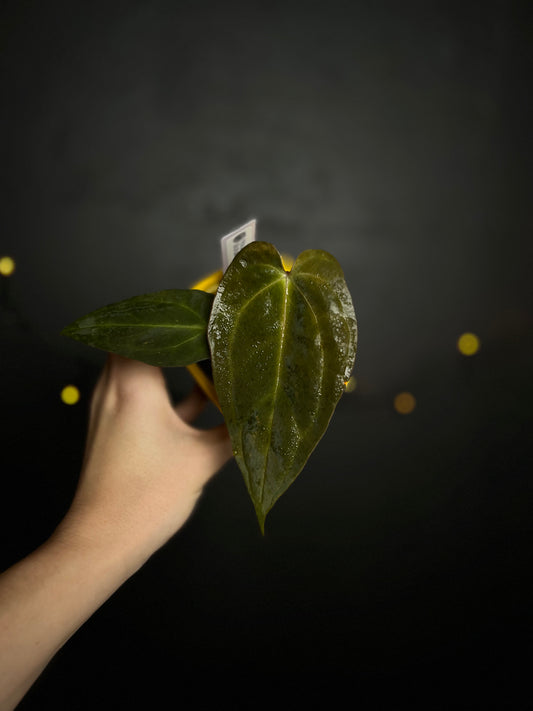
pixel 70 395
pixel 468 344
pixel 7 266
pixel 404 403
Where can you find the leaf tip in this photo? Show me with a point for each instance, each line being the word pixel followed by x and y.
pixel 261 517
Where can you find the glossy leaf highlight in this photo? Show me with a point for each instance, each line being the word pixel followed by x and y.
pixel 166 328
pixel 282 346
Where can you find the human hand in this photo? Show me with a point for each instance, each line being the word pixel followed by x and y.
pixel 143 471
pixel 145 465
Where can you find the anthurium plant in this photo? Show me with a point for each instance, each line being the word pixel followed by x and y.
pixel 281 345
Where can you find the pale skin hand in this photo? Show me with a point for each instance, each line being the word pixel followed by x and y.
pixel 144 468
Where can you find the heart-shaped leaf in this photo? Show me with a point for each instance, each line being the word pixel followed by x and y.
pixel 167 328
pixel 282 347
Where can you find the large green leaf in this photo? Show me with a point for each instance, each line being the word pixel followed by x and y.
pixel 167 328
pixel 282 347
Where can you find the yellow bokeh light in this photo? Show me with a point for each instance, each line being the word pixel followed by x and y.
pixel 7 266
pixel 350 385
pixel 70 395
pixel 404 403
pixel 468 344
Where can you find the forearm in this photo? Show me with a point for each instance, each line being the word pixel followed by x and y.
pixel 46 597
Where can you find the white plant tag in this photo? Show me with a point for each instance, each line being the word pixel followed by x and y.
pixel 233 242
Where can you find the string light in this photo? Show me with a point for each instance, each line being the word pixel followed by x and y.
pixel 7 266
pixel 468 344
pixel 404 403
pixel 70 395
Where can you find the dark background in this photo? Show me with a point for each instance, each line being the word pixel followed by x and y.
pixel 396 135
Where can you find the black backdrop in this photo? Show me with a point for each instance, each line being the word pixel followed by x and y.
pixel 396 136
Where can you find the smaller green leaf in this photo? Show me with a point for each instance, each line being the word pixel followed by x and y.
pixel 167 328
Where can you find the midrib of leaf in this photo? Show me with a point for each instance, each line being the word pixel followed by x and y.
pixel 108 324
pixel 278 377
pixel 162 302
pixel 306 430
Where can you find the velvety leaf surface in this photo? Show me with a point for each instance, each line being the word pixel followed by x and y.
pixel 282 346
pixel 167 328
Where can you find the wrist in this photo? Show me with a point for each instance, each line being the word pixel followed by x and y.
pixel 101 538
